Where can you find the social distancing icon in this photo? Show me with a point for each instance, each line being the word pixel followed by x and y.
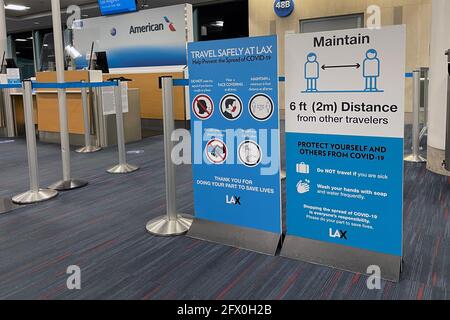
pixel 261 107
pixel 203 107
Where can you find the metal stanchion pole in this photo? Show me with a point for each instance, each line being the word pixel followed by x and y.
pixel 96 114
pixel 35 194
pixel 172 223
pixel 9 114
pixel 67 183
pixel 415 156
pixel 447 133
pixel 426 81
pixel 88 147
pixel 123 166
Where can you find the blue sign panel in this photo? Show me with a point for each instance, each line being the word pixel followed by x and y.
pixel 235 130
pixel 108 7
pixel 344 141
pixel 284 8
pixel 345 189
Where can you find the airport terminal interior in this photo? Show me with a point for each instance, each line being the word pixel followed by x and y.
pixel 116 116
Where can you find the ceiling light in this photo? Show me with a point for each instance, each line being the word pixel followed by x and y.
pixel 16 7
pixel 21 40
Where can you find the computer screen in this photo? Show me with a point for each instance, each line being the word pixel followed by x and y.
pixel 102 62
pixel 108 7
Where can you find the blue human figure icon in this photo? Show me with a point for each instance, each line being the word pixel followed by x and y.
pixel 371 70
pixel 312 72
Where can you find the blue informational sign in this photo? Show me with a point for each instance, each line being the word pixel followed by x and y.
pixel 235 132
pixel 284 8
pixel 344 140
pixel 108 7
pixel 330 197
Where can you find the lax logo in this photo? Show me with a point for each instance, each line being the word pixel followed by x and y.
pixel 338 234
pixel 234 200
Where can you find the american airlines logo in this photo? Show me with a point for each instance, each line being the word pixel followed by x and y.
pixel 171 25
pixel 152 27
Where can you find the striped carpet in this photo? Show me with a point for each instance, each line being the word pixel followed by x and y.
pixel 101 228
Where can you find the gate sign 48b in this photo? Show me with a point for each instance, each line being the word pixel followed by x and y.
pixel 284 8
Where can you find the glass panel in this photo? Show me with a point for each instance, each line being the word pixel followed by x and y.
pixel 332 23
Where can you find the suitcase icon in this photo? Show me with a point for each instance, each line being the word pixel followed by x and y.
pixel 302 168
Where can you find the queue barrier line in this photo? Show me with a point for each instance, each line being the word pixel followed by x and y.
pixel 73 85
pixel 11 86
pixel 185 82
pixel 123 167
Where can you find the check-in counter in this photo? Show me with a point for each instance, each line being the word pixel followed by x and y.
pixel 103 128
pixel 145 105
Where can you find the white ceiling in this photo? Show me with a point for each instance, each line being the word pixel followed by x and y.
pixel 39 14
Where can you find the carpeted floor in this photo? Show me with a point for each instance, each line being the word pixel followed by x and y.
pixel 101 228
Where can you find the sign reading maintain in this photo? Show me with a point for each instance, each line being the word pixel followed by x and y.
pixel 236 142
pixel 344 141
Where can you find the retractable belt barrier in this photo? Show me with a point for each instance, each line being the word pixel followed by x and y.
pixel 123 167
pixel 11 86
pixel 73 85
pixel 173 223
pixel 88 147
pixel 36 194
pixel 415 155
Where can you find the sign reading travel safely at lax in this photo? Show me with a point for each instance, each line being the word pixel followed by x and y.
pixel 345 126
pixel 235 128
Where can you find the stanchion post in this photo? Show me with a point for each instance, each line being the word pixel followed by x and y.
pixel 88 147
pixel 415 156
pixel 67 183
pixel 35 194
pixel 447 133
pixel 123 166
pixel 9 114
pixel 172 223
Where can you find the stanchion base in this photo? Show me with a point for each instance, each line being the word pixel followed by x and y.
pixel 283 175
pixel 6 205
pixel 162 226
pixel 68 185
pixel 123 168
pixel 35 196
pixel 416 159
pixel 89 149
